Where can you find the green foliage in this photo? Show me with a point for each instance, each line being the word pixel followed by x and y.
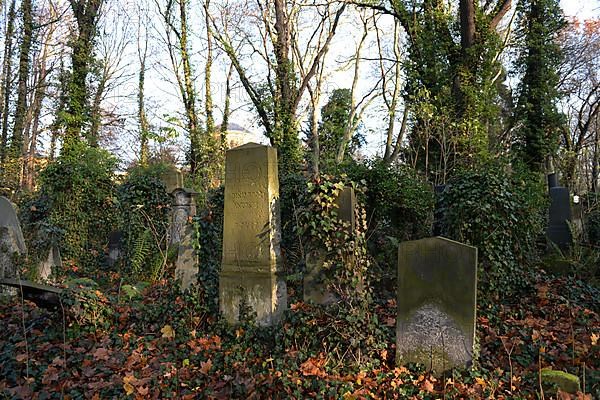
pixel 592 221
pixel 87 307
pixel 343 249
pixel 540 56
pixel 399 205
pixel 450 88
pixel 335 117
pixel 77 199
pixel 502 214
pixel 144 208
pixel 292 189
pixel 209 224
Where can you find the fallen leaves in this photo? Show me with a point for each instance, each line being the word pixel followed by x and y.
pixel 167 332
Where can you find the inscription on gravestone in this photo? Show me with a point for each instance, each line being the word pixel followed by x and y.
pixel 251 235
pixel 437 290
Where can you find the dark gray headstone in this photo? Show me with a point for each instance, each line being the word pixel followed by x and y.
pixel 115 239
pixel 558 230
pixel 437 295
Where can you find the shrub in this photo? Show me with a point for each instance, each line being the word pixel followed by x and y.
pixel 209 223
pixel 144 210
pixel 499 212
pixel 77 198
pixel 343 251
pixel 399 205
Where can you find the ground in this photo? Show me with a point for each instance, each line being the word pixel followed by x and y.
pixel 165 345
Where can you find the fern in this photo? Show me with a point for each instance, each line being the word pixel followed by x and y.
pixel 158 264
pixel 142 247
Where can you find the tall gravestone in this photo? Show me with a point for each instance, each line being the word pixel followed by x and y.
pixel 182 235
pixel 11 239
pixel 437 292
pixel 315 289
pixel 251 236
pixel 559 217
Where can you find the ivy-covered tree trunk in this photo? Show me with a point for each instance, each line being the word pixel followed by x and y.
pixel 77 115
pixel 285 131
pixel 16 144
pixel 6 86
pixel 539 122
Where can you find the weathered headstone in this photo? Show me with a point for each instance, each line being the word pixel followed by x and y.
pixel 558 230
pixel 251 236
pixel 437 292
pixel 12 242
pixel 183 208
pixel 8 218
pixel 172 178
pixel 52 262
pixel 315 289
pixel 186 265
pixel 114 247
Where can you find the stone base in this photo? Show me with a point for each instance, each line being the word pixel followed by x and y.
pixel 315 289
pixel 264 294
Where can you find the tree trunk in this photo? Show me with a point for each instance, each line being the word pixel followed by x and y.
pixel 86 17
pixel 16 144
pixel 5 88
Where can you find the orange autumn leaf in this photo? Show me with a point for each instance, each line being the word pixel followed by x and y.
pixel 205 366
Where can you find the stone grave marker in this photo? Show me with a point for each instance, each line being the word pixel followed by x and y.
pixel 172 178
pixel 52 262
pixel 251 236
pixel 315 289
pixel 115 248
pixel 560 216
pixel 182 235
pixel 11 239
pixel 186 265
pixel 437 292
pixel 183 208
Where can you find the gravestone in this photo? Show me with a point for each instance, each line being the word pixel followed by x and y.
pixel 251 236
pixel 115 239
pixel 181 234
pixel 560 215
pixel 315 289
pixel 186 265
pixel 172 178
pixel 437 292
pixel 8 218
pixel 182 209
pixel 12 242
pixel 52 262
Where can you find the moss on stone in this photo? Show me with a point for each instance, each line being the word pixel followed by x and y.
pixel 563 380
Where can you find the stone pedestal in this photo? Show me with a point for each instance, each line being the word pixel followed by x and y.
pixel 315 289
pixel 251 236
pixel 182 235
pixel 183 208
pixel 437 294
